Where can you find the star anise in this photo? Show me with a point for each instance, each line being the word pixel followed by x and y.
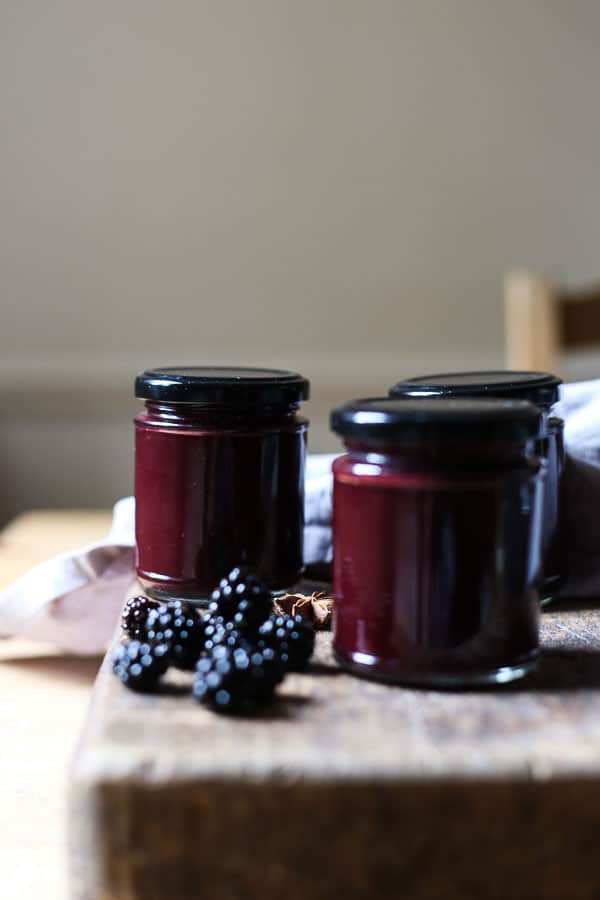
pixel 316 608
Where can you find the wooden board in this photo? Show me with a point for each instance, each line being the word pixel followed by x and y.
pixel 44 696
pixel 348 789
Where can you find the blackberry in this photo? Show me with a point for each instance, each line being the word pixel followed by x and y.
pixel 180 628
pixel 242 600
pixel 135 614
pixel 139 665
pixel 219 632
pixel 292 637
pixel 237 680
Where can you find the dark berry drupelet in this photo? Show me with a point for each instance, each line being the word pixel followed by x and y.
pixel 139 665
pixel 135 614
pixel 238 680
pixel 180 628
pixel 292 637
pixel 242 600
pixel 218 631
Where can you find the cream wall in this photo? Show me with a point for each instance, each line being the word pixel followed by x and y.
pixel 333 185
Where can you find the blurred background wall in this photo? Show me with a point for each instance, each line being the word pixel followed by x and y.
pixel 336 186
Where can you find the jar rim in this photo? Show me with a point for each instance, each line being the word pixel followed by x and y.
pixel 540 388
pixel 233 385
pixel 427 418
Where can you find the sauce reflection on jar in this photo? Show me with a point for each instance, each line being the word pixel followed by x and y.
pixel 219 477
pixel 436 514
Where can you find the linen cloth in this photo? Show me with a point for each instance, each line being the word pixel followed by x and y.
pixel 74 600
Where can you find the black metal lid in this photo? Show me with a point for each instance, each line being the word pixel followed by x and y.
pixel 221 384
pixel 540 388
pixel 391 418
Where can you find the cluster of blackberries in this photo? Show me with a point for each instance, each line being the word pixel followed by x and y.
pixel 240 651
pixel 161 635
pixel 248 648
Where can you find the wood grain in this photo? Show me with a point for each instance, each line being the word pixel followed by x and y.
pixel 348 788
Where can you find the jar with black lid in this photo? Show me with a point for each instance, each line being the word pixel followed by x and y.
pixel 219 477
pixel 541 389
pixel 436 513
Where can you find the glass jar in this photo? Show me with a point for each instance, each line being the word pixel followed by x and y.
pixel 436 516
pixel 541 389
pixel 219 477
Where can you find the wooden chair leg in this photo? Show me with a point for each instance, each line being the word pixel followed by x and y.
pixel 531 318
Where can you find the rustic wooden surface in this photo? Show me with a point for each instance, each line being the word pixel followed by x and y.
pixel 43 699
pixel 348 789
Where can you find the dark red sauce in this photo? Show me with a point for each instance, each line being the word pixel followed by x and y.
pixel 217 486
pixel 435 560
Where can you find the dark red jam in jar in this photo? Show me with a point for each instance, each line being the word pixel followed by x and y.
pixel 541 389
pixel 436 508
pixel 219 477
